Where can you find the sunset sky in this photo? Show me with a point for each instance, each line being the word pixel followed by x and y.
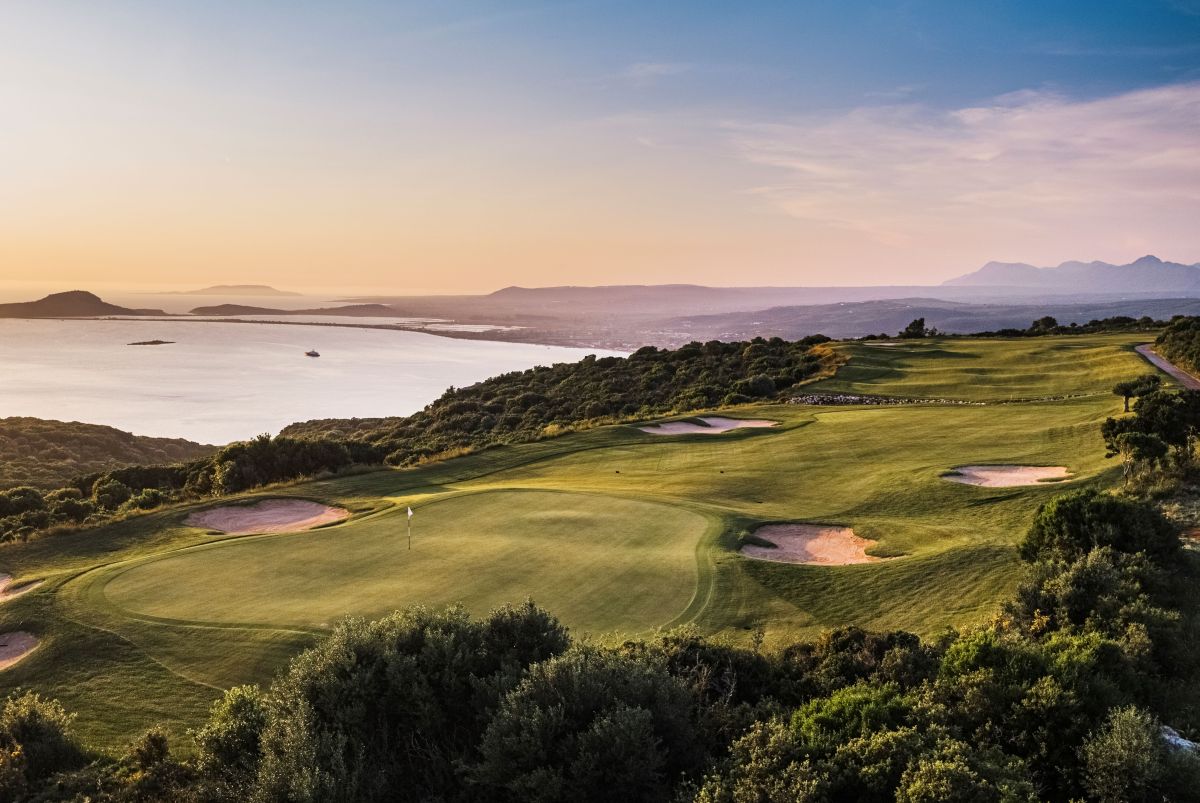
pixel 414 146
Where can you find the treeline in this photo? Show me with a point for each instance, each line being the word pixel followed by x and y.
pixel 1046 325
pixel 1180 343
pixel 48 454
pixel 1060 697
pixel 95 498
pixel 527 405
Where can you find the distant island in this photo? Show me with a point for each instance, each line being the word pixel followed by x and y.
pixel 151 343
pixel 236 290
pixel 351 310
pixel 71 304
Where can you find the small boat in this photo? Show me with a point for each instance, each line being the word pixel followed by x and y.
pixel 313 353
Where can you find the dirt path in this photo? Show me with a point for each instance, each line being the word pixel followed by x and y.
pixel 1178 374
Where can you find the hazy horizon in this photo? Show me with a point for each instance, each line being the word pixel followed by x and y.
pixel 424 147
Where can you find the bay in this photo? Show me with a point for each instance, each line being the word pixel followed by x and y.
pixel 220 382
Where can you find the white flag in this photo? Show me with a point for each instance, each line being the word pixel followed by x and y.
pixel 410 512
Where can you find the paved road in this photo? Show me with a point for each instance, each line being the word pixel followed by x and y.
pixel 1181 376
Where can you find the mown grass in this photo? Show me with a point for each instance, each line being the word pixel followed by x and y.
pixel 615 530
pixel 989 369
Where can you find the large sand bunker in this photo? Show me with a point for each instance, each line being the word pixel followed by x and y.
pixel 813 544
pixel 15 646
pixel 715 426
pixel 1006 476
pixel 7 592
pixel 270 516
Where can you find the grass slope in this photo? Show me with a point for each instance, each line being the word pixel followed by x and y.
pixel 613 529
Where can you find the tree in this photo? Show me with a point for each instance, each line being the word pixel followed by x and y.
pixel 1044 325
pixel 1139 449
pixel 915 329
pixel 391 709
pixel 1140 386
pixel 958 773
pixel 1069 526
pixel 590 725
pixel 111 494
pixel 1126 758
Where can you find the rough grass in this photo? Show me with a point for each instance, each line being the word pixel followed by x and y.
pixel 614 530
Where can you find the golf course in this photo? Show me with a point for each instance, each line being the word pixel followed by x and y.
pixel 618 530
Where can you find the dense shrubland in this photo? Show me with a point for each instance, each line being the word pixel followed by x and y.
pixel 1061 696
pixel 48 454
pixel 93 499
pixel 527 405
pixel 1180 343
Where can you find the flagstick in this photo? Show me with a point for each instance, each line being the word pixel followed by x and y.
pixel 410 533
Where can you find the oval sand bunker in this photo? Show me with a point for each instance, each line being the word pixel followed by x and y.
pixel 269 516
pixel 1006 476
pixel 15 646
pixel 812 544
pixel 716 425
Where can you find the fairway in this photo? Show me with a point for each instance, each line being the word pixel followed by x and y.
pixel 616 531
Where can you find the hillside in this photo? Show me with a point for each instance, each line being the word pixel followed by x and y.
pixel 48 454
pixel 889 316
pixel 71 304
pixel 527 405
pixel 1146 275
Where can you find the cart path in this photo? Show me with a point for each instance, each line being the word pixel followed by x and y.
pixel 1181 376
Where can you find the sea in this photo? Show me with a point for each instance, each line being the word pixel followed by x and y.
pixel 218 382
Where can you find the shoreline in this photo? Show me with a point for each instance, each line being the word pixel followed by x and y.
pixel 532 337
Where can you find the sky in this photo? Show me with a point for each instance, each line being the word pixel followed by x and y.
pixel 466 146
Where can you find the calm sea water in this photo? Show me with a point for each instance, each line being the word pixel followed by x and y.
pixel 221 382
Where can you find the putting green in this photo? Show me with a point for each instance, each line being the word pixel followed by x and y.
pixel 576 554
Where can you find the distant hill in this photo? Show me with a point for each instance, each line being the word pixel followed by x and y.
pixel 1146 275
pixel 889 316
pixel 48 454
pixel 71 304
pixel 236 290
pixel 352 310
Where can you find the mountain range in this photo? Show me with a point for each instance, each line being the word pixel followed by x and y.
pixel 1146 275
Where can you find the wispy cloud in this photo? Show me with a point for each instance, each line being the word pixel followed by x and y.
pixel 1032 169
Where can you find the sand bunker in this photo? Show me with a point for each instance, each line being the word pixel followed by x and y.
pixel 1006 476
pixel 15 646
pixel 813 544
pixel 716 425
pixel 7 592
pixel 270 516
